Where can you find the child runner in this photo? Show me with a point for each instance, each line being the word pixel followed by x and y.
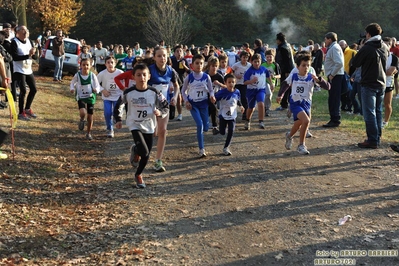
pixel 224 68
pixel 85 54
pixel 195 91
pixel 239 69
pixel 87 86
pixel 302 84
pixel 161 76
pixel 127 77
pixel 144 103
pixel 110 92
pixel 128 61
pixel 255 79
pixel 218 83
pixel 275 74
pixel 229 100
pixel 119 55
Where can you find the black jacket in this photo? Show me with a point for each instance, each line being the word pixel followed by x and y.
pixel 284 58
pixel 372 57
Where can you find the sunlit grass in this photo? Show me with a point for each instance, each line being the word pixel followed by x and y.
pixel 353 123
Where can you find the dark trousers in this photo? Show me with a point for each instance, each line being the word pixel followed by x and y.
pixel 22 81
pixel 143 148
pixel 334 98
pixel 243 93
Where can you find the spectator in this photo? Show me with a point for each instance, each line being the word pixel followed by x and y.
pixel 22 52
pixel 334 70
pixel 59 55
pixel 372 58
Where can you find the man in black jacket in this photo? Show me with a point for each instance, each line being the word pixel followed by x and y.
pixel 285 59
pixel 372 58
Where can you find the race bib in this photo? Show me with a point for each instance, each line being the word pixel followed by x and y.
pixel 198 93
pixel 142 113
pixel 164 88
pixel 85 91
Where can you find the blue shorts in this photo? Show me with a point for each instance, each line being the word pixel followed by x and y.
pixel 255 96
pixel 300 106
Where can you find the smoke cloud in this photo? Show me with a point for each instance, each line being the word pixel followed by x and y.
pixel 255 8
pixel 286 26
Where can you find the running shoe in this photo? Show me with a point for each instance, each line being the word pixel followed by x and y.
pixel 159 166
pixel 23 116
pixel 288 141
pixel 202 153
pixel 110 133
pixel 247 125
pixel 302 149
pixel 81 124
pixel 308 134
pixel 88 136
pixel 179 117
pixel 261 125
pixel 139 181
pixel 215 131
pixel 30 113
pixel 226 151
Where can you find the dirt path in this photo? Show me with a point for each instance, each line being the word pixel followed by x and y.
pixel 261 206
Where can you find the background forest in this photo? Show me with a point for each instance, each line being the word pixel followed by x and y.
pixel 223 23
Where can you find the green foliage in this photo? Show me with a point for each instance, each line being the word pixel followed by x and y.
pixel 224 23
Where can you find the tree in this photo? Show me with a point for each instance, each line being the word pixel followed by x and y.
pixel 167 20
pixel 17 8
pixel 56 14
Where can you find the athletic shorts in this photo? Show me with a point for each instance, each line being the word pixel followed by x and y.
pixel 255 96
pixel 388 89
pixel 90 107
pixel 300 106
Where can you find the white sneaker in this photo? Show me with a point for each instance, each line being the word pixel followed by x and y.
pixel 288 141
pixel 226 151
pixel 302 149
pixel 397 96
pixel 384 124
pixel 110 133
pixel 202 153
pixel 179 117
pixel 261 125
pixel 247 125
pixel 308 134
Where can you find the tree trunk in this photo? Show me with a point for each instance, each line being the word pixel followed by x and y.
pixel 22 14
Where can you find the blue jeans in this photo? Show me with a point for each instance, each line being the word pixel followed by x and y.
pixel 357 103
pixel 372 100
pixel 201 118
pixel 108 112
pixel 59 64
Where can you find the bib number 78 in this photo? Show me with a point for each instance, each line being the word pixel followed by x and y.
pixel 142 114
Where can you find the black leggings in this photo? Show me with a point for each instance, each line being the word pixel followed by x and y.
pixel 22 81
pixel 212 109
pixel 230 125
pixel 143 148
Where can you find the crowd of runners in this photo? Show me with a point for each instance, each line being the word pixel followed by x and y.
pixel 152 85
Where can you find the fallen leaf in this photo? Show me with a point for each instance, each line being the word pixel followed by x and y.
pixel 279 256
